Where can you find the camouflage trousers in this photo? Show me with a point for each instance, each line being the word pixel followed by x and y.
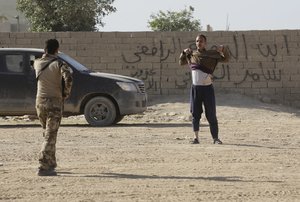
pixel 49 111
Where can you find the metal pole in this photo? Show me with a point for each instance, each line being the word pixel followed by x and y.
pixel 18 22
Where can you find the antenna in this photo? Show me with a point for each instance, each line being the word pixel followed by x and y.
pixel 227 22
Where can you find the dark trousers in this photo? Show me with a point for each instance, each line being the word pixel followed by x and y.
pixel 204 95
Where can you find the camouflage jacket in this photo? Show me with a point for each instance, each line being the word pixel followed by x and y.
pixel 55 80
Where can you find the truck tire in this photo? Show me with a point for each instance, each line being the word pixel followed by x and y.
pixel 100 111
pixel 118 119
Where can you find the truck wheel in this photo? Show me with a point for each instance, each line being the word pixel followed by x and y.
pixel 100 111
pixel 118 119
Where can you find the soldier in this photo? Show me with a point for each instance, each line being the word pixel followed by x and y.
pixel 54 82
pixel 202 63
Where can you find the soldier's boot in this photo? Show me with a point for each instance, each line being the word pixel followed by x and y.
pixel 48 172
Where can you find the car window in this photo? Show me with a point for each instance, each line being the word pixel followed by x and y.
pixel 73 62
pixel 13 63
pixel 32 58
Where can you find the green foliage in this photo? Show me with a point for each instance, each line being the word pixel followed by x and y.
pixel 65 15
pixel 174 21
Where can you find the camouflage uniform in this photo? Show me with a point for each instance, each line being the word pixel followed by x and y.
pixel 49 104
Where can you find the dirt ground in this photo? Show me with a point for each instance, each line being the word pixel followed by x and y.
pixel 149 157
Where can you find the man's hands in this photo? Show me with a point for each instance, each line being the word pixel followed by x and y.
pixel 188 51
pixel 220 49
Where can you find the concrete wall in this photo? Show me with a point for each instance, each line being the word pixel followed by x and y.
pixel 264 64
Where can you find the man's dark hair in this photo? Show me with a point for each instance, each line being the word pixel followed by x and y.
pixel 51 45
pixel 203 36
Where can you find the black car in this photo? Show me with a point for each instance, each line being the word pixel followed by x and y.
pixel 103 98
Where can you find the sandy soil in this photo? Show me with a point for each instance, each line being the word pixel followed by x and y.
pixel 149 157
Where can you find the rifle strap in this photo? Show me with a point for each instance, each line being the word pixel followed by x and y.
pixel 44 67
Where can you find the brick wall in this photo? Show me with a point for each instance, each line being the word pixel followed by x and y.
pixel 264 64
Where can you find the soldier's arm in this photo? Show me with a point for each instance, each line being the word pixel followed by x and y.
pixel 66 72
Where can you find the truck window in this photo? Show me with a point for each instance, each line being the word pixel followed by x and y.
pixel 14 63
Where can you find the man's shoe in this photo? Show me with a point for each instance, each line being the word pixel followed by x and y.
pixel 195 141
pixel 217 141
pixel 49 172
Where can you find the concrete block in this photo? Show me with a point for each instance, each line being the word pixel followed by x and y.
pixel 245 84
pixel 109 34
pixel 63 34
pixel 274 84
pixel 267 91
pixel 295 77
pixel 259 85
pixel 47 35
pixel 131 34
pixel 93 35
pixel 282 91
pixel 64 41
pixel 23 41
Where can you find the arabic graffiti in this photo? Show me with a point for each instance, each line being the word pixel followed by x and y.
pixel 238 50
pixel 225 72
pixel 286 44
pixel 265 73
pixel 186 80
pixel 145 50
pixel 145 74
pixel 268 51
